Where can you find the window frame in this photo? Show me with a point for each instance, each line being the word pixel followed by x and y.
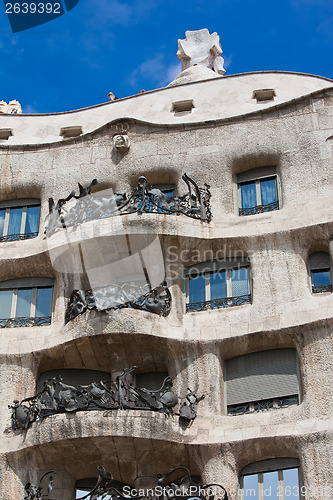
pixel 328 267
pixel 23 203
pixel 212 267
pixel 271 465
pixel 256 175
pixel 33 284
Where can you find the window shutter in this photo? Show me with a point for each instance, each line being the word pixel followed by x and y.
pixel 73 376
pixel 256 173
pixel 150 380
pixel 270 465
pixel 217 265
pixel 261 375
pixel 319 260
pixel 26 283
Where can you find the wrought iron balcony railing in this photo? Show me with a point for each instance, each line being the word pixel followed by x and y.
pixel 259 209
pixel 58 397
pixel 85 206
pixel 321 288
pixel 218 303
pixel 17 237
pixel 15 322
pixel 157 300
pixel 184 488
pixel 266 404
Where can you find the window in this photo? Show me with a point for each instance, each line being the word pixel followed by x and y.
pixel 19 219
pixel 159 198
pixel 26 302
pixel 320 272
pixel 277 479
pixel 262 381
pixel 212 285
pixel 258 191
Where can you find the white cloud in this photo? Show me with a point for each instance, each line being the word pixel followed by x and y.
pixel 154 71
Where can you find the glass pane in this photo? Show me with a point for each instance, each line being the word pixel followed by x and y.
pixel 321 278
pixel 250 487
pixel 82 493
pixel 31 225
pixel 268 191
pixel 290 483
pixel 218 285
pixel 271 485
pixel 43 302
pixel 2 221
pixel 15 218
pixel 248 195
pixel 5 303
pixel 240 282
pixel 197 289
pixel 23 303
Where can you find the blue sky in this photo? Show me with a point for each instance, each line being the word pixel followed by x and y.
pixel 125 46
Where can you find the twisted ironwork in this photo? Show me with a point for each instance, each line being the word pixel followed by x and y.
pixel 17 237
pixel 321 288
pixel 24 321
pixel 83 207
pixel 266 404
pixel 157 300
pixel 218 303
pixel 259 209
pixel 182 489
pixel 59 397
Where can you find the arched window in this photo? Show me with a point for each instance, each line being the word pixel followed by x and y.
pixel 19 219
pixel 212 285
pixel 261 381
pixel 258 191
pixel 320 267
pixel 277 478
pixel 26 302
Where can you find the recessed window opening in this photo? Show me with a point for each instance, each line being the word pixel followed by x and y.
pixel 320 272
pixel 19 219
pixel 262 381
pixel 26 302
pixel 278 479
pixel 264 95
pixel 258 191
pixel 213 285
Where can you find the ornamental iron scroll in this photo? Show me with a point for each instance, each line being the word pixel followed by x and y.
pixel 157 300
pixel 59 397
pixel 33 492
pixel 85 206
pixel 182 489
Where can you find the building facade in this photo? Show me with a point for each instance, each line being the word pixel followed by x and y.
pixel 198 248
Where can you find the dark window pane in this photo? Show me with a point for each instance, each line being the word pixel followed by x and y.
pixel 43 302
pixel 31 225
pixel 321 278
pixel 5 303
pixel 23 303
pixel 197 289
pixel 250 487
pixel 2 221
pixel 240 282
pixel 268 191
pixel 15 218
pixel 248 195
pixel 218 285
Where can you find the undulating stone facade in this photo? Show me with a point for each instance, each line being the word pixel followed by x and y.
pixel 220 132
